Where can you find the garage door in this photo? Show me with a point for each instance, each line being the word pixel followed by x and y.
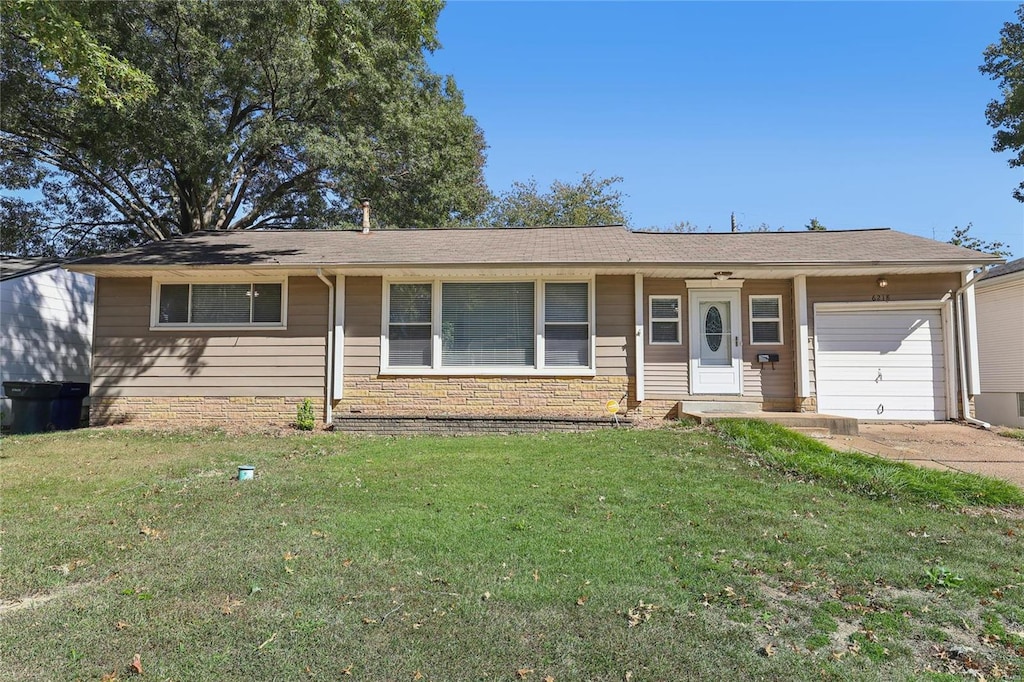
pixel 881 364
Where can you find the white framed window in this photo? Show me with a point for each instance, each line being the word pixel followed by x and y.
pixel 409 324
pixel 566 324
pixel 228 304
pixel 469 326
pixel 765 320
pixel 666 319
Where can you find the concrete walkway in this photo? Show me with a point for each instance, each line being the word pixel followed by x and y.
pixel 941 445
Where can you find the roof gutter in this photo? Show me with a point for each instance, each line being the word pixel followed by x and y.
pixel 329 377
pixel 961 352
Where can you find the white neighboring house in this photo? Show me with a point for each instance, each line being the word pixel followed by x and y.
pixel 46 317
pixel 1000 300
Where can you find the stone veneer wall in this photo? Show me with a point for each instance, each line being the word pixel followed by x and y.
pixel 184 412
pixel 510 396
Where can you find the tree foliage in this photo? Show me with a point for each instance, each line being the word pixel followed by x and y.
pixel 59 33
pixel 962 237
pixel 1004 63
pixel 590 201
pixel 815 226
pixel 264 114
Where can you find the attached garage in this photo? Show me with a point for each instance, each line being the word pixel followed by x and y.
pixel 890 362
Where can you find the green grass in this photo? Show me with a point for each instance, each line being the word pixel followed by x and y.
pixel 1017 434
pixel 473 558
pixel 799 455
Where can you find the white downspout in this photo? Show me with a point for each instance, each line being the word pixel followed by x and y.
pixel 961 350
pixel 638 341
pixel 329 376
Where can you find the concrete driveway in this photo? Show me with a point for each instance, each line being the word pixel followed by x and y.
pixel 942 445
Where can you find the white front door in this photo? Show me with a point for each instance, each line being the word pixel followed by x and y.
pixel 716 351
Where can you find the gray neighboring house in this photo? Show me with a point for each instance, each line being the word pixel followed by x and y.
pixel 46 318
pixel 1000 297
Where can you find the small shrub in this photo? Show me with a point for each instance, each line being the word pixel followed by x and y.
pixel 305 418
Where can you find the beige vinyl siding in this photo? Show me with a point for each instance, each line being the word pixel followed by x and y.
pixel 362 325
pixel 615 325
pixel 861 289
pixel 130 360
pixel 666 366
pixel 764 381
pixel 1001 335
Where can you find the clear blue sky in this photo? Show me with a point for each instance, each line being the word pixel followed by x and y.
pixel 863 114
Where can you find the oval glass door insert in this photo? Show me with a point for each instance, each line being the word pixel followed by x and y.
pixel 713 328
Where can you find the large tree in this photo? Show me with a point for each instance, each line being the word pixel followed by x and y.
pixel 590 201
pixel 1004 63
pixel 263 113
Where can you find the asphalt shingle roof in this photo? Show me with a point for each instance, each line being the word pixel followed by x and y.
pixel 536 246
pixel 1007 269
pixel 16 266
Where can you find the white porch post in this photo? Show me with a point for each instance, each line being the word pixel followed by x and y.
pixel 803 362
pixel 338 385
pixel 971 335
pixel 638 309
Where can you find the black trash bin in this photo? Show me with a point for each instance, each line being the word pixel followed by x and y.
pixel 67 408
pixel 31 405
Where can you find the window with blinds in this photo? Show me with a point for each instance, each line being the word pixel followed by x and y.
pixel 765 320
pixel 665 319
pixel 409 325
pixel 566 324
pixel 221 304
pixel 489 325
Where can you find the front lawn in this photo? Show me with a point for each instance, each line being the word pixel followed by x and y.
pixel 640 555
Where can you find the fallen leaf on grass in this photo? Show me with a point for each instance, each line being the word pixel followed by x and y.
pixel 109 677
pixel 151 533
pixel 229 604
pixel 137 664
pixel 536 576
pixel 641 613
pixel 121 625
pixel 417 675
pixel 548 679
pixel 288 556
pixel 768 650
pixel 521 673
pixel 346 563
pixel 346 671
pixel 582 600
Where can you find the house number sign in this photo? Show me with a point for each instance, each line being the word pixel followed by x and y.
pixel 885 298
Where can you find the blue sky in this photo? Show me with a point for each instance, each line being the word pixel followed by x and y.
pixel 863 114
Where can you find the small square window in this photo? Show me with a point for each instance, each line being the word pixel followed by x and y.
pixel 765 320
pixel 1020 404
pixel 666 319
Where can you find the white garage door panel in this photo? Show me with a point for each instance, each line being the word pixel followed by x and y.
pixel 874 364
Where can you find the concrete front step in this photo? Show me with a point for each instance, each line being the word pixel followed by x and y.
pixel 723 405
pixel 837 426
